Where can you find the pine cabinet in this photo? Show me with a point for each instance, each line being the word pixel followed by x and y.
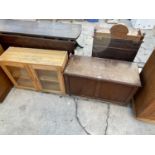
pixel 35 69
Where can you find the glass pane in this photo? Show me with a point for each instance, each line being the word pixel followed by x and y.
pixel 46 75
pixel 21 76
pixel 18 72
pixel 25 83
pixel 50 86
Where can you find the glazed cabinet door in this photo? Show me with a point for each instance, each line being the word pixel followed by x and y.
pixel 49 79
pixel 19 74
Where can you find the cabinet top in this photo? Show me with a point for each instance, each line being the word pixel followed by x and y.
pixel 119 31
pixel 35 56
pixel 40 29
pixel 104 69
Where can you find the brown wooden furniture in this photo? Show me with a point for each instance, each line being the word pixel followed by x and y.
pixel 5 83
pixel 35 69
pixel 144 100
pixel 106 79
pixel 39 34
pixel 117 43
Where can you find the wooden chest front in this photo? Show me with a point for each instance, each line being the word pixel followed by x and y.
pixel 105 79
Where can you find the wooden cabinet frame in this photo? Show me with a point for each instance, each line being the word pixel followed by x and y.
pixel 35 69
pixel 20 66
pixel 59 74
pixel 34 77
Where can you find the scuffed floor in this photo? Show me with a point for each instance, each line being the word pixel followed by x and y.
pixel 29 112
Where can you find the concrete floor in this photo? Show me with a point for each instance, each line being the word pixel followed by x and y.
pixel 30 112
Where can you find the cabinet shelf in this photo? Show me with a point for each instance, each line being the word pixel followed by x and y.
pixel 18 73
pixel 21 75
pixel 48 79
pixel 50 86
pixel 25 83
pixel 47 76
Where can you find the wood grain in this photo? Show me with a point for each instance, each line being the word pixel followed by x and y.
pixel 119 31
pixel 132 34
pixel 34 56
pixel 5 83
pixel 40 29
pixel 22 66
pixel 36 42
pixel 144 100
pixel 116 71
pixel 117 43
pixel 9 75
pixel 104 79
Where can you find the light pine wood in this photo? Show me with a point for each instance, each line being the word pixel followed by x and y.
pixel 36 79
pixel 50 63
pixel 9 75
pixel 31 73
pixel 61 79
pixel 12 77
pixel 34 56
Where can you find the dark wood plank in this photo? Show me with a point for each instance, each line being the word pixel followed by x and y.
pixel 117 43
pixel 115 49
pixel 104 69
pixel 81 89
pixel 114 91
pixel 41 29
pixel 144 100
pixel 33 42
pixel 114 53
pixel 5 85
pixel 103 90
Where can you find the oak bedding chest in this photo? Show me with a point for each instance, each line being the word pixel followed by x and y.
pixel 117 43
pixel 39 34
pixel 35 69
pixel 105 79
pixel 144 100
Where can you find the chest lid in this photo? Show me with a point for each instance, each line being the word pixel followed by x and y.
pixel 104 69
